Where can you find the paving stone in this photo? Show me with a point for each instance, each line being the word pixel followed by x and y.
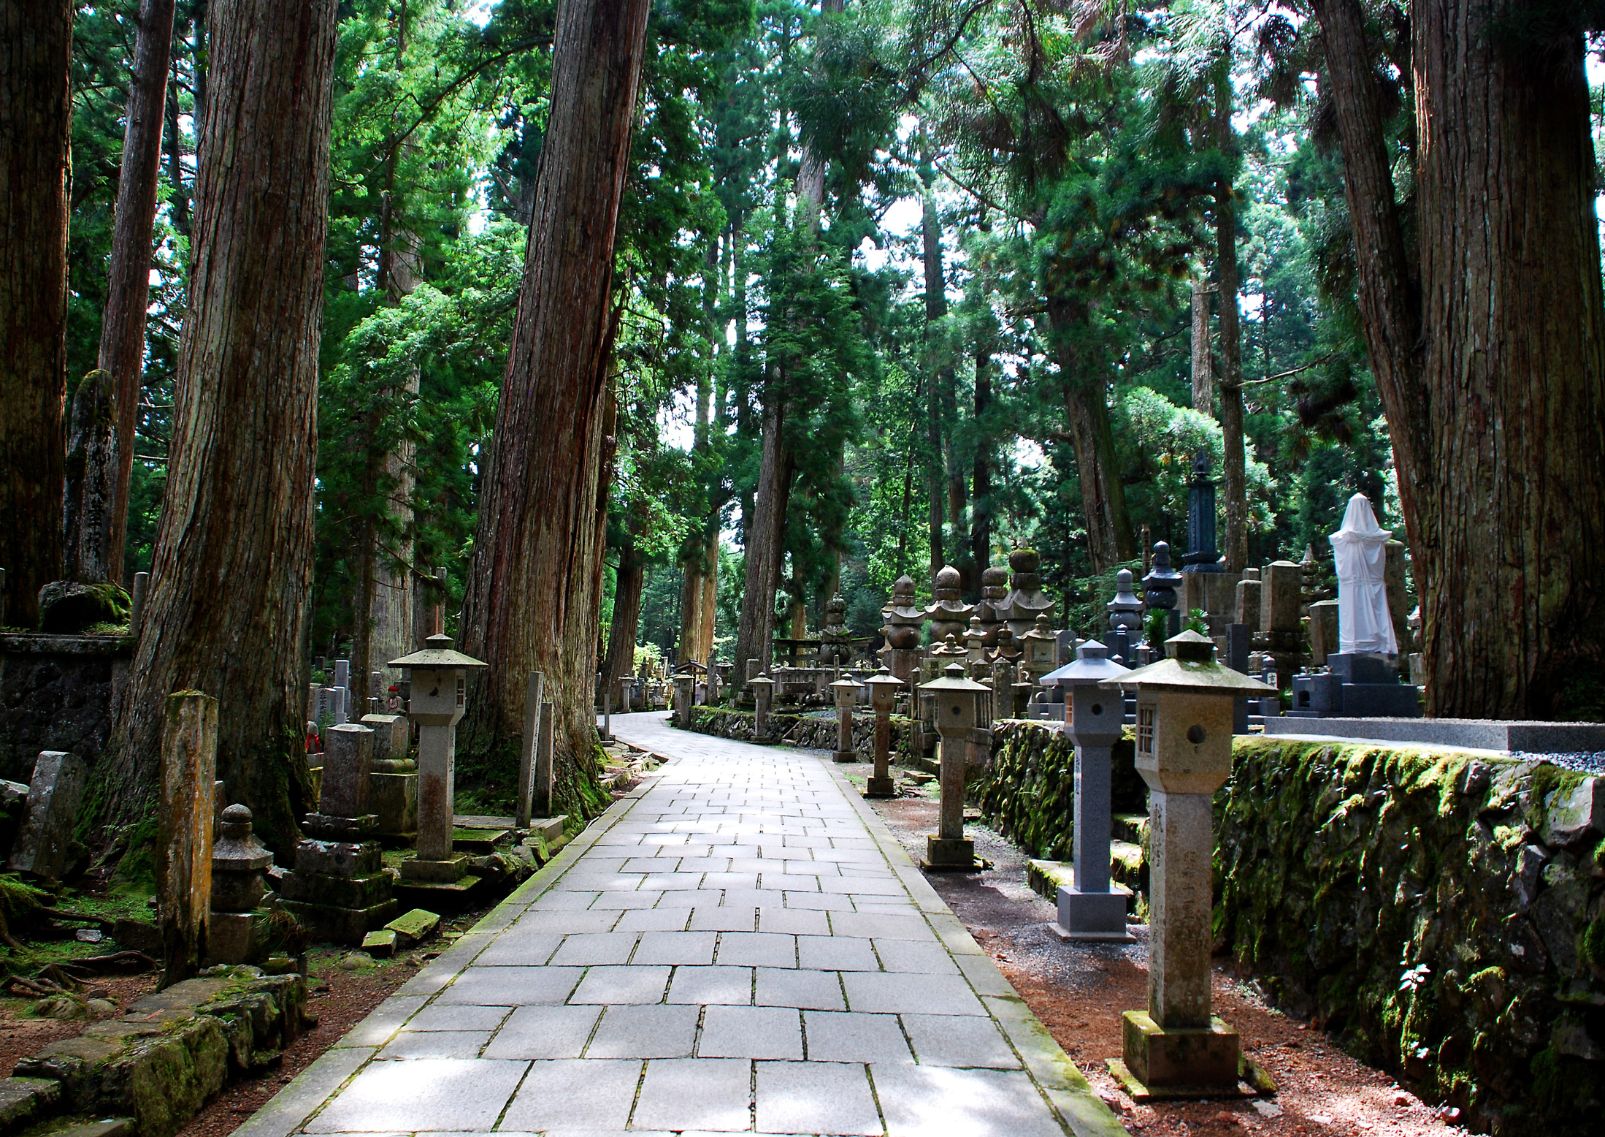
pixel 732 985
pixel 833 953
pixel 655 1031
pixel 641 898
pixel 511 986
pixel 519 950
pixel 817 990
pixel 588 948
pixel 815 1097
pixel 959 1040
pixel 675 947
pixel 751 1032
pixel 931 1101
pixel 544 1032
pixel 915 956
pixel 880 926
pixel 900 993
pixel 654 920
pixel 611 985
pixel 453 1093
pixel 793 921
pixel 852 1037
pixel 757 949
pixel 819 901
pixel 696 1093
pixel 585 1093
pixel 563 922
pixel 450 1017
pixel 436 1044
pixel 718 919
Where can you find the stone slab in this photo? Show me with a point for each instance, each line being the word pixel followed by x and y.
pixel 1469 734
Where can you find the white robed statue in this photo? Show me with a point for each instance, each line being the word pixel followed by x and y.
pixel 1360 550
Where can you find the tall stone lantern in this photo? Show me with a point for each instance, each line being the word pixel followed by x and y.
pixel 1094 909
pixel 845 691
pixel 956 707
pixel 1184 752
pixel 883 688
pixel 438 699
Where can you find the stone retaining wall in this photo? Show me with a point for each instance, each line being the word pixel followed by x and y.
pixel 160 1062
pixel 811 732
pixel 1442 914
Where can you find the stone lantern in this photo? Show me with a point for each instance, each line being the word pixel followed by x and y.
pixel 975 641
pixel 763 689
pixel 956 705
pixel 883 688
pixel 1184 752
pixel 1039 654
pixel 846 694
pixel 1093 909
pixel 685 687
pixel 439 697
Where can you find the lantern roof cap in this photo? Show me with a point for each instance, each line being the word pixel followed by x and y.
pixel 846 681
pixel 1191 666
pixel 953 679
pixel 885 678
pixel 1091 664
pixel 764 679
pixel 437 652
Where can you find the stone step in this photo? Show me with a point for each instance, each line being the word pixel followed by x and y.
pixel 1131 827
pixel 551 828
pixel 84 1127
pixel 479 841
pixel 1047 877
pixel 1127 866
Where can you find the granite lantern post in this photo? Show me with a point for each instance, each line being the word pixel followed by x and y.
pixel 846 694
pixel 763 688
pixel 1094 909
pixel 1177 1048
pixel 883 688
pixel 439 697
pixel 956 702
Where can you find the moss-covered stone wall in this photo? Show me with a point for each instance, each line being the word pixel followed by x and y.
pixel 1027 793
pixel 1442 914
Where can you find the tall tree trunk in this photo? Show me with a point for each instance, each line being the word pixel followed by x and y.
pixel 946 478
pixel 766 535
pixel 629 583
pixel 1231 335
pixel 232 565
pixel 1086 407
pixel 35 118
pixel 533 594
pixel 122 329
pixel 1203 368
pixel 699 562
pixel 981 470
pixel 1508 538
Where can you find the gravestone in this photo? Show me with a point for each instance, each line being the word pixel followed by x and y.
pixel 241 903
pixel 1160 585
pixel 43 847
pixel 1025 600
pixel 901 630
pixel 947 612
pixel 393 783
pixel 1201 555
pixel 545 766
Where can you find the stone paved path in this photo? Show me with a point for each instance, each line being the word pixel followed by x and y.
pixel 740 945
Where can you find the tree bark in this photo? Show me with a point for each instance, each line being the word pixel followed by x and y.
pixel 621 635
pixel 981 470
pixel 765 536
pixel 1203 368
pixel 699 562
pixel 1227 277
pixel 1507 540
pixel 533 594
pixel 122 329
pixel 1086 407
pixel 35 119
pixel 232 566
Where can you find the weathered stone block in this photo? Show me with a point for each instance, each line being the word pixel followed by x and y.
pixel 1571 816
pixel 413 926
pixel 381 943
pixel 340 925
pixel 338 858
pixel 1186 1058
pixel 44 844
pixel 26 1100
pixel 342 892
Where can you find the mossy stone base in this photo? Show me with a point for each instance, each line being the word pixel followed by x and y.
pixel 949 854
pixel 1179 1061
pixel 880 787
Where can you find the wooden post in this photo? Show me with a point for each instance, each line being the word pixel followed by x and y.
pixel 529 745
pixel 184 861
